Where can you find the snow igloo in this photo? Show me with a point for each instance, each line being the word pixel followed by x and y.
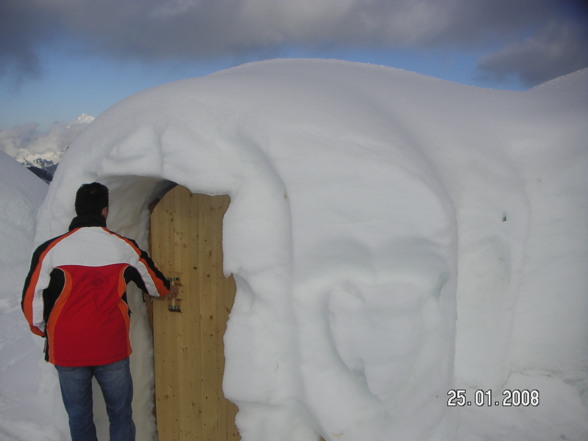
pixel 346 186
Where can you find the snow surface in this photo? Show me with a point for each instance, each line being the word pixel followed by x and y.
pixel 393 236
pixel 25 405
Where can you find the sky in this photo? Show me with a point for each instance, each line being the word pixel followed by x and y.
pixel 62 58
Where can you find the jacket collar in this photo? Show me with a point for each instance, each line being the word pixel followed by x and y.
pixel 87 220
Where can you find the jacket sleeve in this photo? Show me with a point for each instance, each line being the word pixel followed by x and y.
pixel 37 280
pixel 146 275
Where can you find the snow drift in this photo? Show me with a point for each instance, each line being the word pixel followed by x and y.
pixel 24 408
pixel 370 209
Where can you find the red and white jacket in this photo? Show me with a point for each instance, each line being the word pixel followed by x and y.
pixel 75 293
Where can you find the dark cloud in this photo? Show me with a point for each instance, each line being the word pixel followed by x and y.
pixel 556 50
pixel 24 25
pixel 154 30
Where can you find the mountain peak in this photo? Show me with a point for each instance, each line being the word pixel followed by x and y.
pixel 85 118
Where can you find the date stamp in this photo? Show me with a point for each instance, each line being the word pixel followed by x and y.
pixel 487 398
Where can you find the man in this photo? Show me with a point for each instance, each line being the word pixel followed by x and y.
pixel 75 297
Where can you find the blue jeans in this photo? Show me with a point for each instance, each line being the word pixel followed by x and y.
pixel 117 387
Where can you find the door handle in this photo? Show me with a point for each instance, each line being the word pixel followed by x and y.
pixel 173 304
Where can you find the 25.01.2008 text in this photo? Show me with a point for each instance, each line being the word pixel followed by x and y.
pixel 509 398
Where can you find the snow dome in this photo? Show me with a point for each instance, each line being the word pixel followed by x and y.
pixel 386 235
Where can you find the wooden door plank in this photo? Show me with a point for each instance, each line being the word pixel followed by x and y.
pixel 189 351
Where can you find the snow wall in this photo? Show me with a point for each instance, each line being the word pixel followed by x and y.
pixel 25 408
pixel 370 207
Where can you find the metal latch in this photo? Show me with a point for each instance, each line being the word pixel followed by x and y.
pixel 173 304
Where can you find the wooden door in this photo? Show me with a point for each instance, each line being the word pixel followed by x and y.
pixel 186 243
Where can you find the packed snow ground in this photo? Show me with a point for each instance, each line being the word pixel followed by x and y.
pixel 392 236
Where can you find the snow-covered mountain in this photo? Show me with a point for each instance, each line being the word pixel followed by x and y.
pixel 40 150
pixel 40 160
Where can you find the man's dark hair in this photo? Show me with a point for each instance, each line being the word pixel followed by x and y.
pixel 91 199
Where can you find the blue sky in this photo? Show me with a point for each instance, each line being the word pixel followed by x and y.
pixel 61 58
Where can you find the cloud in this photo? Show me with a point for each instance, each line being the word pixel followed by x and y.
pixel 14 139
pixel 23 26
pixel 554 51
pixel 156 30
pixel 25 140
